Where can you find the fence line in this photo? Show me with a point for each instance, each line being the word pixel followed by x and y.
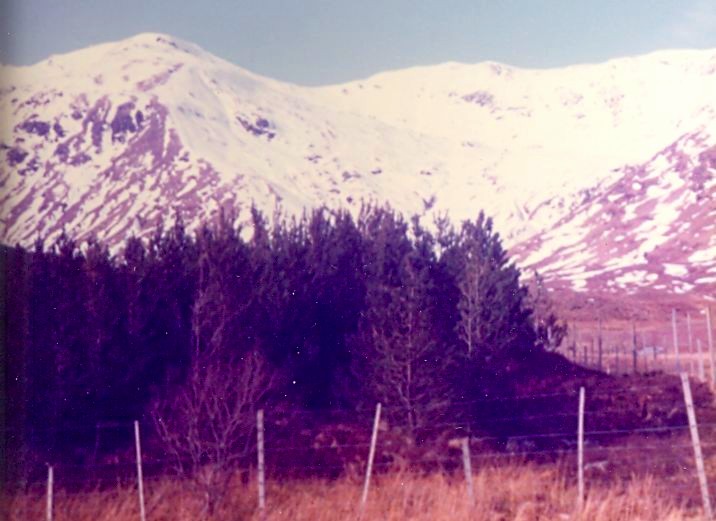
pixel 670 348
pixel 486 455
pixel 587 444
pixel 320 414
pixel 584 449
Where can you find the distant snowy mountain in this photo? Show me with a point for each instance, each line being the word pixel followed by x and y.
pixel 602 176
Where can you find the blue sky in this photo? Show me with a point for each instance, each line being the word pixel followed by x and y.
pixel 319 42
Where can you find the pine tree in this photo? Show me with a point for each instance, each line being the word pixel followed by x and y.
pixel 336 286
pixel 494 321
pixel 406 365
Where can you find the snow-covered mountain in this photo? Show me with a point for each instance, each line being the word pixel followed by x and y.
pixel 602 176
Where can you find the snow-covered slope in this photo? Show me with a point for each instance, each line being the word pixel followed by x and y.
pixel 653 227
pixel 111 140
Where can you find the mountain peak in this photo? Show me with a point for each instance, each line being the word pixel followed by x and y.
pixel 142 47
pixel 159 41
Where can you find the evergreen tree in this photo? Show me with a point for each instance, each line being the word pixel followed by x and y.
pixel 106 335
pixel 404 362
pixel 494 321
pixel 15 353
pixel 337 289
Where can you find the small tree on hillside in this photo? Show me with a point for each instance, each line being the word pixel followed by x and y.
pixel 550 331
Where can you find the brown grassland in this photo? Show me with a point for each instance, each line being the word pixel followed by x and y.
pixel 516 491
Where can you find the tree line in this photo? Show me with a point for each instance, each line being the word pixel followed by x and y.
pixel 322 312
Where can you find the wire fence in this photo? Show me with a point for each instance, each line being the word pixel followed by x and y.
pixel 685 343
pixel 330 443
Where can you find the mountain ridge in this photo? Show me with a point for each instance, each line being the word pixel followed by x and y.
pixel 149 38
pixel 109 140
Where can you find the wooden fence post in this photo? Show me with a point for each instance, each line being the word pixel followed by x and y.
pixel 634 354
pixel 371 456
pixel 712 349
pixel 599 346
pixel 585 355
pixel 625 352
pixel 616 355
pixel 698 456
pixel 580 451
pixel 676 340
pixel 140 479
pixel 261 462
pixel 467 468
pixel 690 341
pixel 50 492
pixel 575 343
pixel 642 337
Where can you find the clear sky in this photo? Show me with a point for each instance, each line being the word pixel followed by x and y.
pixel 318 42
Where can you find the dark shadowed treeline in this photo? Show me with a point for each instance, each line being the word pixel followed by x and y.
pixel 338 312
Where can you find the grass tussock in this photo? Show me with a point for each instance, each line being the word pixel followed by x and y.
pixel 515 492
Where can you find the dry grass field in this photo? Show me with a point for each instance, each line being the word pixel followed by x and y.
pixel 511 492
